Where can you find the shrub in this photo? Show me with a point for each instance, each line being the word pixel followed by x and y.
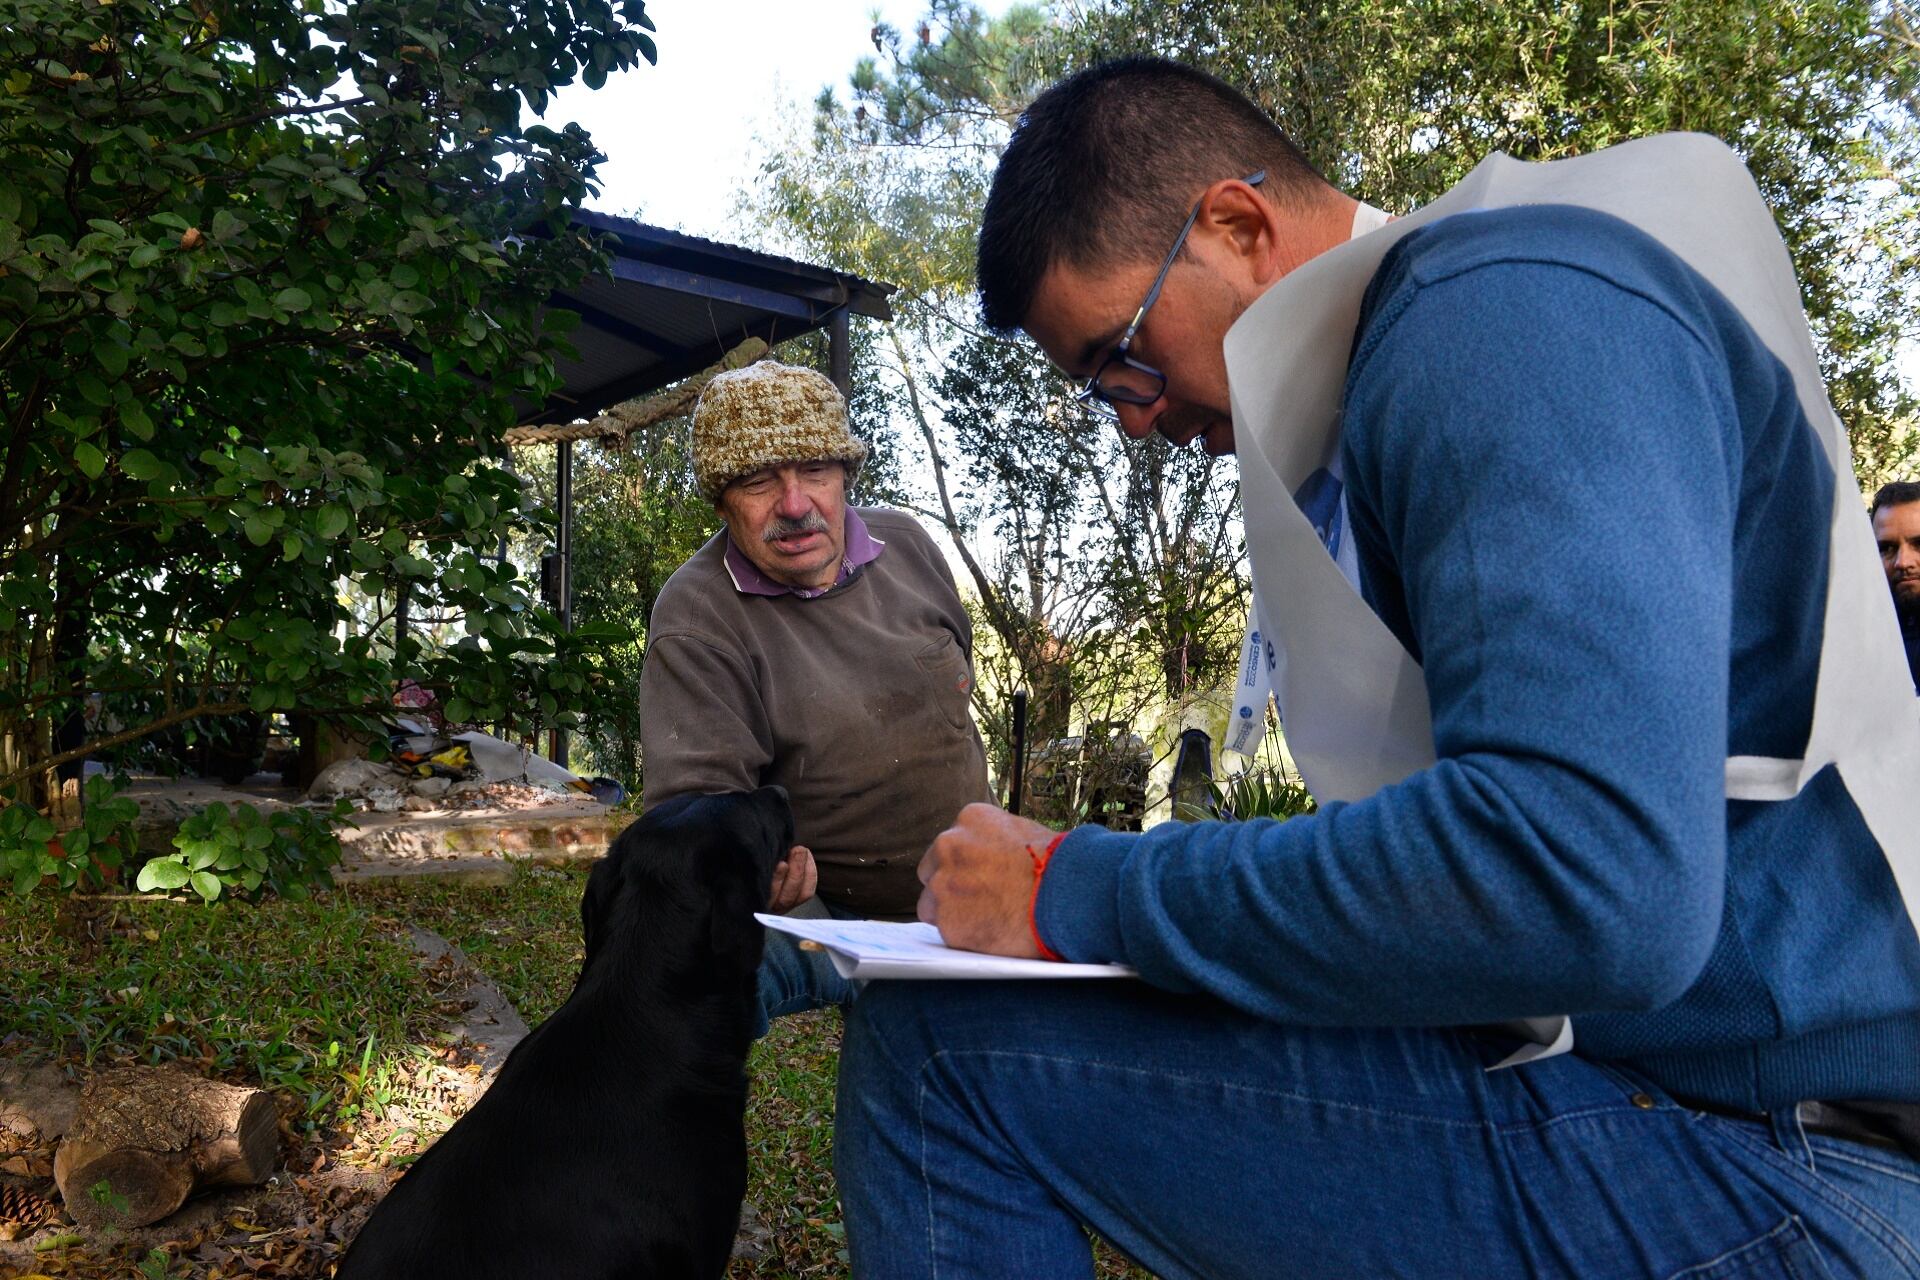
pixel 223 852
pixel 86 857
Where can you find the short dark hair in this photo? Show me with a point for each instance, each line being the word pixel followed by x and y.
pixel 1104 166
pixel 1897 494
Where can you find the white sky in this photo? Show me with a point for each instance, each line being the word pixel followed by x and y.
pixel 680 137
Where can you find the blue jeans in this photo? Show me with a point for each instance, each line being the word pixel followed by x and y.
pixel 982 1126
pixel 793 981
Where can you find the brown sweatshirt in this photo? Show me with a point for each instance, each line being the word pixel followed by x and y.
pixel 855 701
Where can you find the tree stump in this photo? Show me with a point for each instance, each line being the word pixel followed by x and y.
pixel 144 1138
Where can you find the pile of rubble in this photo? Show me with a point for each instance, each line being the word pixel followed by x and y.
pixel 427 772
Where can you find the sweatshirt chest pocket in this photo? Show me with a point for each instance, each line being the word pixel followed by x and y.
pixel 949 679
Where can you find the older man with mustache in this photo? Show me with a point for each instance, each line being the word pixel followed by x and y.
pixel 815 645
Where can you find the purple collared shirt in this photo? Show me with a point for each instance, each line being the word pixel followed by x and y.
pixel 862 549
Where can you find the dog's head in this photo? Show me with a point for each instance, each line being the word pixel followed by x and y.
pixel 703 863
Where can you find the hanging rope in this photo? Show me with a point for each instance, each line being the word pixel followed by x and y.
pixel 620 422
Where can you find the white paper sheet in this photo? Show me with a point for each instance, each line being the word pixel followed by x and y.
pixel 863 949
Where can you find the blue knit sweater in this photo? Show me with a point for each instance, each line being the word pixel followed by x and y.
pixel 1585 498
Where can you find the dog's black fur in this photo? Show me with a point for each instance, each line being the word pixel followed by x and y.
pixel 612 1143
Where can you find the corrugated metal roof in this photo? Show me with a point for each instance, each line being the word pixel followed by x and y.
pixel 678 303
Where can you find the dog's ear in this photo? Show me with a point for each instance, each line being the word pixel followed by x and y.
pixel 739 872
pixel 775 835
pixel 731 927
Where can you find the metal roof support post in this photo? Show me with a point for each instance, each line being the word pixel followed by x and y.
pixel 563 498
pixel 839 353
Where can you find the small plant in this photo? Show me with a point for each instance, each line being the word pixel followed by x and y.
pixel 103 1194
pixel 87 857
pixel 240 850
pixel 1257 793
pixel 1265 793
pixel 157 1265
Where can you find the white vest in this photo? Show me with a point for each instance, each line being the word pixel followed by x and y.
pixel 1354 700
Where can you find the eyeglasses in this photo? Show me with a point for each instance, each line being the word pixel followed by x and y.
pixel 1121 379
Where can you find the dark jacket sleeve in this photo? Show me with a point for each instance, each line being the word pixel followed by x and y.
pixel 703 727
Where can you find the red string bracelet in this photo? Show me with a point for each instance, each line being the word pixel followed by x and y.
pixel 1040 861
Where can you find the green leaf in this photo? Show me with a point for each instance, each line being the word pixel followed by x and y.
pixel 259 531
pixel 293 299
pixel 135 419
pixel 92 389
pixel 139 464
pixel 90 460
pixel 162 873
pixel 206 884
pixel 333 521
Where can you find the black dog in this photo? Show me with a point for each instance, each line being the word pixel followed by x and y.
pixel 613 1141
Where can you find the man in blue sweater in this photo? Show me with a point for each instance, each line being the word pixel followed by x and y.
pixel 1586 500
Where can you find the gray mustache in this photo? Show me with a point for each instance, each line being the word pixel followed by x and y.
pixel 784 527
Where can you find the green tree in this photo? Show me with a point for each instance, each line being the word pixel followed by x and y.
pixel 271 286
pixel 1395 100
pixel 637 517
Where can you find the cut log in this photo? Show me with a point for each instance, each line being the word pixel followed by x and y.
pixel 144 1138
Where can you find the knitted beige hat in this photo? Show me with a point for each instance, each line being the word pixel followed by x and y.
pixel 764 415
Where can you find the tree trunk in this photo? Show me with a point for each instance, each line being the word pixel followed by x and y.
pixel 145 1137
pixel 322 742
pixel 65 802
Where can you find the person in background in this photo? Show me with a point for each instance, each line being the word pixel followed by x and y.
pixel 815 645
pixel 1896 528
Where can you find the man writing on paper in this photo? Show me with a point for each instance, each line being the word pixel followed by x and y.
pixel 1610 721
pixel 818 646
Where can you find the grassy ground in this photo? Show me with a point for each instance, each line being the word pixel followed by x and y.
pixel 524 935
pixel 301 998
pixel 323 1003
